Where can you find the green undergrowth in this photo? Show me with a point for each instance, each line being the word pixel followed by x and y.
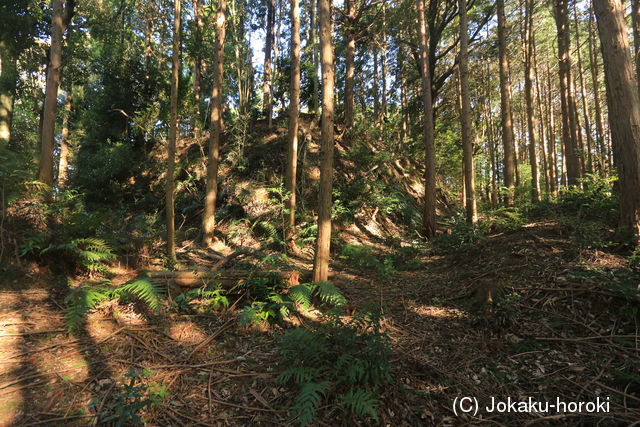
pixel 365 258
pixel 341 363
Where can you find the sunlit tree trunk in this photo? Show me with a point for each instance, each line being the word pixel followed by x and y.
pixel 541 124
pixel 60 18
pixel 197 64
pixel 508 139
pixel 323 241
pixel 64 142
pixel 209 218
pixel 529 97
pixel 600 135
pixel 429 213
pixel 350 59
pixel 294 106
pixel 267 105
pixel 315 102
pixel 624 108
pixel 173 134
pixel 465 116
pixel 583 94
pixel 8 79
pixel 569 125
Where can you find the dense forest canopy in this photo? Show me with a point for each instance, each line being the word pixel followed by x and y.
pixel 257 150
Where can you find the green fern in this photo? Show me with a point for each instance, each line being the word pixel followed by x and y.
pixel 307 401
pixel 84 299
pixel 360 402
pixel 148 292
pixel 329 294
pixel 80 302
pixel 350 360
pixel 302 294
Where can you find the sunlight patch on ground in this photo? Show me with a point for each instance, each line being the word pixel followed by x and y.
pixel 437 312
pixel 187 333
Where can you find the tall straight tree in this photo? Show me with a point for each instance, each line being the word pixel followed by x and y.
pixel 323 241
pixel 198 12
pixel 624 107
pixel 350 63
pixel 508 139
pixel 267 105
pixel 60 19
pixel 635 23
pixel 569 114
pixel 294 106
pixel 8 79
pixel 593 65
pixel 529 97
pixel 64 142
pixel 209 215
pixel 173 134
pixel 429 213
pixel 465 116
pixel 583 94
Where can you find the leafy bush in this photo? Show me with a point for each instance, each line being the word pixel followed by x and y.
pixel 505 219
pixel 342 363
pixel 278 302
pixel 85 298
pixel 86 254
pixel 403 258
pixel 587 234
pixel 462 235
pixel 201 300
pixel 131 397
pixel 595 201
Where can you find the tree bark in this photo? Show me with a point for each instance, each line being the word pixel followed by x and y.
pixel 624 108
pixel 173 134
pixel 541 125
pixel 209 218
pixel 323 241
pixel 429 213
pixel 8 79
pixel 294 107
pixel 197 65
pixel 350 58
pixel 583 94
pixel 268 49
pixel 60 18
pixel 508 139
pixel 64 143
pixel 600 135
pixel 529 96
pixel 465 116
pixel 569 125
pixel 635 23
pixel 315 102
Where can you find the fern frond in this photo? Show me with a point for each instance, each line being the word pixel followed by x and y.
pixel 307 401
pixel 299 374
pixel 329 294
pixel 302 294
pixel 150 293
pixel 80 302
pixel 360 402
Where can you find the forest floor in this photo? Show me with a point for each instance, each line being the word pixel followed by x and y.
pixel 558 330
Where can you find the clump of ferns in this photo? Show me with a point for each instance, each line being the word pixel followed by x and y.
pixel 89 254
pixel 82 300
pixel 278 302
pixel 201 300
pixel 344 364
